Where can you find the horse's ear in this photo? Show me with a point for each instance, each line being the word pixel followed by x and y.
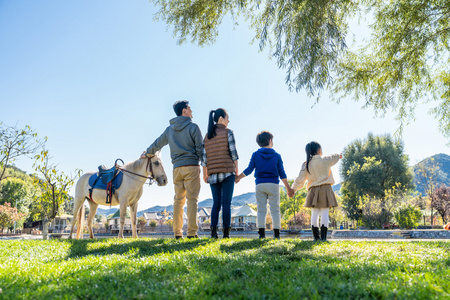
pixel 158 153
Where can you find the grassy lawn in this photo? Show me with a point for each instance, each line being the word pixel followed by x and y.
pixel 234 268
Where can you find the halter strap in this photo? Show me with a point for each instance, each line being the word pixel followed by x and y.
pixel 148 167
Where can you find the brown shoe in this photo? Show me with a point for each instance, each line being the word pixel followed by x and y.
pixel 193 237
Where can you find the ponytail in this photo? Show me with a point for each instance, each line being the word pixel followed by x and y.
pixel 311 150
pixel 214 116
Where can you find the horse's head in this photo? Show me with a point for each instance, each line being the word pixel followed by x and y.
pixel 157 169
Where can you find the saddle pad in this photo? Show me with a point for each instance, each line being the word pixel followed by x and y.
pixel 117 182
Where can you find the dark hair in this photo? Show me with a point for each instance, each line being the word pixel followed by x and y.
pixel 311 149
pixel 263 138
pixel 220 112
pixel 179 106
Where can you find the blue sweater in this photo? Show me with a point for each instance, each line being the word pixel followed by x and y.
pixel 268 166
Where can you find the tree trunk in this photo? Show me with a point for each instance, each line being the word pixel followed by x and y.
pixel 45 229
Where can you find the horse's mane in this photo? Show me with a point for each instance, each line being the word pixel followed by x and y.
pixel 135 165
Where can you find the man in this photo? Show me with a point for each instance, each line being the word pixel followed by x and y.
pixel 186 143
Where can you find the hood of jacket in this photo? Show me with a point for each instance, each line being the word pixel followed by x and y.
pixel 179 123
pixel 267 153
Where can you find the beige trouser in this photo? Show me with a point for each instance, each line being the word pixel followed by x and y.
pixel 186 180
pixel 268 192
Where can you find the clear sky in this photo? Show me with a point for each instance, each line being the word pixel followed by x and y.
pixel 99 78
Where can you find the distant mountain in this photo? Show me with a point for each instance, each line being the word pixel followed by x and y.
pixel 155 209
pixel 106 212
pixel 443 162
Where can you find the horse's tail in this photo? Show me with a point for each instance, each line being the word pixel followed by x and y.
pixel 80 217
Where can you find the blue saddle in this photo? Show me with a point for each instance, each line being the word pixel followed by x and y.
pixel 101 184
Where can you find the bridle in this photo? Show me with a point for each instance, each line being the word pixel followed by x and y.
pixel 148 167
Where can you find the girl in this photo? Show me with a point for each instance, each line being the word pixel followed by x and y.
pixel 220 166
pixel 317 172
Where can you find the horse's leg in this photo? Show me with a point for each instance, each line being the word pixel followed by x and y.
pixel 92 211
pixel 123 213
pixel 133 211
pixel 78 202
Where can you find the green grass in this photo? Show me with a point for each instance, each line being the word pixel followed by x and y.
pixel 234 268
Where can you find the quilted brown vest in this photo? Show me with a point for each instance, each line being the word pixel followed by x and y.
pixel 217 152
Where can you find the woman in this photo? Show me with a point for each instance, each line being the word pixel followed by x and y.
pixel 317 171
pixel 220 167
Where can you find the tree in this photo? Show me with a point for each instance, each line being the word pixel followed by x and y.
pixel 54 186
pixel 9 215
pixel 404 62
pixel 428 173
pixel 376 212
pixel 370 168
pixel 17 192
pixel 441 202
pixel 408 216
pixel 15 142
pixel 291 207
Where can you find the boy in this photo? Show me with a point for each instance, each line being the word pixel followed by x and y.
pixel 268 170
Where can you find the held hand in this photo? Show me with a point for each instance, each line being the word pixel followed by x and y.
pixel 340 156
pixel 205 178
pixel 236 180
pixel 290 192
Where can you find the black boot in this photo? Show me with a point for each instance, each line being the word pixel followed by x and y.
pixel 262 233
pixel 214 232
pixel 226 232
pixel 315 231
pixel 323 233
pixel 276 234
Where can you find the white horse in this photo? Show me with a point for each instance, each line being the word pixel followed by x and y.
pixel 134 176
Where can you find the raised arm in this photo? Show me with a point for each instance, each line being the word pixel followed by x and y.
pixel 158 143
pixel 300 180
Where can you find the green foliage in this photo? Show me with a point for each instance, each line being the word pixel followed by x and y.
pixel 153 223
pixel 16 142
pixel 403 63
pixel 408 216
pixel 290 207
pixel 224 268
pixel 370 168
pixel 53 186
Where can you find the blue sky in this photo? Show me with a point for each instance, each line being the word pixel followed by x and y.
pixel 99 78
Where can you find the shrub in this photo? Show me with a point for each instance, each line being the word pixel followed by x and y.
pixel 153 223
pixel 408 216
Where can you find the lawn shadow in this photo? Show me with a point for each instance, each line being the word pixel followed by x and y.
pixel 261 243
pixel 135 248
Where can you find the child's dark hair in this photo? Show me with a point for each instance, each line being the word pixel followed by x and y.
pixel 214 117
pixel 263 138
pixel 179 106
pixel 311 149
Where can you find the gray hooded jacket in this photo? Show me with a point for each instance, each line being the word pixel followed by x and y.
pixel 184 139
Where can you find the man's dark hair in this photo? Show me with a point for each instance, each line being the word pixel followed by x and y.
pixel 263 138
pixel 179 106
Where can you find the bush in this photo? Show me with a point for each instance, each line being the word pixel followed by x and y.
pixel 408 216
pixel 153 223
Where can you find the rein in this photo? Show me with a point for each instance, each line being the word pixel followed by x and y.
pixel 149 167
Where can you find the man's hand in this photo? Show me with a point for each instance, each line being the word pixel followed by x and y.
pixel 144 154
